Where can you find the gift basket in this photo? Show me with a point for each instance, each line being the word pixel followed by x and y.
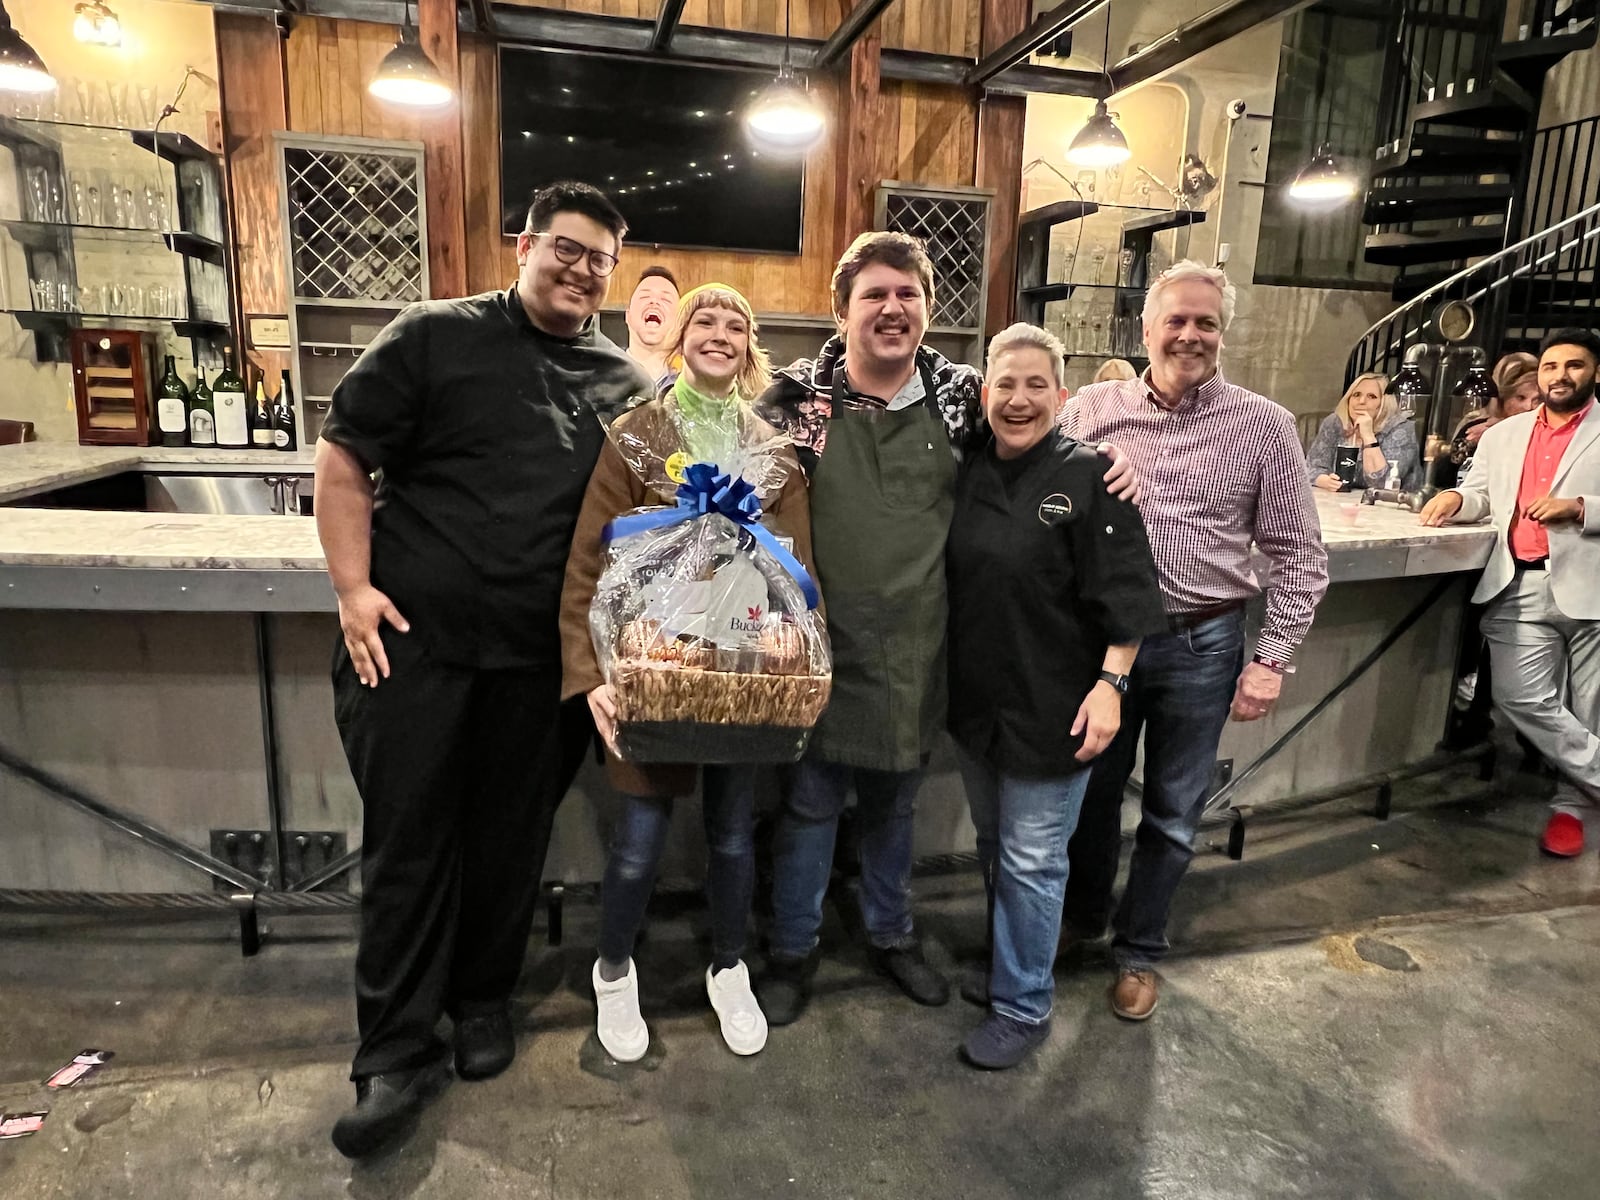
pixel 704 622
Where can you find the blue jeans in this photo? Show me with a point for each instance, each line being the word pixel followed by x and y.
pixel 802 851
pixel 728 800
pixel 1023 826
pixel 1180 691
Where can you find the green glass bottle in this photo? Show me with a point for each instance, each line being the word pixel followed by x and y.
pixel 172 407
pixel 284 434
pixel 202 413
pixel 231 409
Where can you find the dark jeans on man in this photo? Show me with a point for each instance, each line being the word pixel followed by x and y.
pixel 1179 694
pixel 802 852
pixel 460 772
pixel 637 843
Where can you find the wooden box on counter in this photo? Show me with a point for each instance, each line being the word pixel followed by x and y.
pixel 113 386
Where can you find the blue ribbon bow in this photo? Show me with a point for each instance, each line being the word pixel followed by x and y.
pixel 704 491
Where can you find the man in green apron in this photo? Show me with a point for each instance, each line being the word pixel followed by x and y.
pixel 880 423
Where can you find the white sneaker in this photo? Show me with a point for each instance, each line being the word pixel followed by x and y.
pixel 622 1030
pixel 744 1025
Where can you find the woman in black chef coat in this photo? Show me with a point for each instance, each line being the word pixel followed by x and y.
pixel 1051 589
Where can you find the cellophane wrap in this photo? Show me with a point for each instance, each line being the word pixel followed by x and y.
pixel 704 634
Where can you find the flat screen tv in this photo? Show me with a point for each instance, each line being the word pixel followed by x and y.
pixel 664 140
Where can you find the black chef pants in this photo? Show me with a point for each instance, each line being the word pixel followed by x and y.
pixel 460 772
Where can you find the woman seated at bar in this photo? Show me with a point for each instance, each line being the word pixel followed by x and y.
pixel 1365 441
pixel 1516 385
pixel 723 366
pixel 1115 368
pixel 1052 587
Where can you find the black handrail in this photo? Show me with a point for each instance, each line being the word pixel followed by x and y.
pixel 1526 284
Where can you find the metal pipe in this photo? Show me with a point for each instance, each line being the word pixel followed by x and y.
pixel 666 26
pixel 269 747
pixel 126 822
pixel 345 862
pixel 850 30
pixel 1046 26
pixel 1219 801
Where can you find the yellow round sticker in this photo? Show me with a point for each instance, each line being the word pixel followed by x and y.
pixel 677 464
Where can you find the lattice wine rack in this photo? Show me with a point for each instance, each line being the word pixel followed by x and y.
pixel 953 223
pixel 355 223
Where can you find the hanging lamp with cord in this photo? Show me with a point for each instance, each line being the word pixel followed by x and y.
pixel 21 68
pixel 1100 143
pixel 1323 182
pixel 784 119
pixel 408 76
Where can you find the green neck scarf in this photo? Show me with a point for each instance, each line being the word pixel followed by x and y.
pixel 709 426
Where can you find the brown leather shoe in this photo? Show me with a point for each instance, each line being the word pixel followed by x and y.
pixel 1134 996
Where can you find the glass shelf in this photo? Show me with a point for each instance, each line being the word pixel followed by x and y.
pixel 36 319
pixel 169 144
pixel 50 234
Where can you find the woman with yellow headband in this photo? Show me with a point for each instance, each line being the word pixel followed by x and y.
pixel 723 367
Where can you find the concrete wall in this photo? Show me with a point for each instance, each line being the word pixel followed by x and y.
pixel 1289 343
pixel 159 40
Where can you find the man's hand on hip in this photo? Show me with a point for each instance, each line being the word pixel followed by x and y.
pixel 362 612
pixel 1256 693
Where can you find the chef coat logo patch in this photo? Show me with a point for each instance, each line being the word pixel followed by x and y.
pixel 1055 508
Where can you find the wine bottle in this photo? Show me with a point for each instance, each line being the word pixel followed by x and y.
pixel 283 422
pixel 261 418
pixel 202 413
pixel 172 407
pixel 232 413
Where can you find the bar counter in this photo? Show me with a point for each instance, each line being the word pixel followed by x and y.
pixel 132 668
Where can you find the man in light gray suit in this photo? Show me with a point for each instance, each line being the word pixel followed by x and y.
pixel 1536 477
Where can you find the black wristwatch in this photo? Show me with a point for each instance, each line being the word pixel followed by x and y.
pixel 1120 682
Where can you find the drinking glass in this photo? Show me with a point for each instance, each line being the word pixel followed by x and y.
pixel 130 209
pixel 149 109
pixel 84 92
pixel 134 298
pixel 118 93
pixel 38 190
pixel 44 294
pixel 97 207
pixel 58 204
pixel 119 208
pixel 152 208
pixel 92 299
pixel 69 297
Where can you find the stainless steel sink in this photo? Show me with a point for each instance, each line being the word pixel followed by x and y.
pixel 243 495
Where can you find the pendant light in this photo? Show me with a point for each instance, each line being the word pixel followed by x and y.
pixel 93 22
pixel 21 69
pixel 407 75
pixel 1100 143
pixel 784 119
pixel 1322 181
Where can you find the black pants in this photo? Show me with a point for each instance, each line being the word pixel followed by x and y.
pixel 460 772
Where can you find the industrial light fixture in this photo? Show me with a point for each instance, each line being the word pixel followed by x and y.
pixel 21 69
pixel 94 22
pixel 1322 181
pixel 1100 143
pixel 784 119
pixel 407 75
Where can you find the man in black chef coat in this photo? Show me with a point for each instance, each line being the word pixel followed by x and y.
pixel 481 414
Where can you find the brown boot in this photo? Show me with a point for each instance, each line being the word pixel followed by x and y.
pixel 1134 996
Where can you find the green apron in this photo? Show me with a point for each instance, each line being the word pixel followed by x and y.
pixel 882 496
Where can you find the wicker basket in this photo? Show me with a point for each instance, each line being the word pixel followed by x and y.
pixel 669 713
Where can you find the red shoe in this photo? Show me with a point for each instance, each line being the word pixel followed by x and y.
pixel 1563 836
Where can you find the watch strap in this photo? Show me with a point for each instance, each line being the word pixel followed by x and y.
pixel 1120 682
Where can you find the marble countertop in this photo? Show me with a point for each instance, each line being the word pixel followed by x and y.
pixel 66 537
pixel 1364 541
pixel 34 468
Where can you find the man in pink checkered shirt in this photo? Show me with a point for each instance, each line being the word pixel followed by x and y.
pixel 1222 470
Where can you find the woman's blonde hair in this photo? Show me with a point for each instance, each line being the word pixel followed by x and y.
pixel 1388 406
pixel 1512 371
pixel 756 373
pixel 1115 368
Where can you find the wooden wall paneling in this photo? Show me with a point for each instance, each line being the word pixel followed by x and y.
pixel 480 148
pixel 254 105
pixel 857 138
pixel 302 61
pixel 441 136
pixel 1001 120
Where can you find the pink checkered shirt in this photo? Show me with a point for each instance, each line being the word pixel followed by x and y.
pixel 1222 469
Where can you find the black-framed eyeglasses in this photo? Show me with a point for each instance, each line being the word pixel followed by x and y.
pixel 568 251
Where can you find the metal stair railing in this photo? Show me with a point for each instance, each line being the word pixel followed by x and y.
pixel 1564 255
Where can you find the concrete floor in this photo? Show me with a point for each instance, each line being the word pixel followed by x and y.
pixel 1282 1063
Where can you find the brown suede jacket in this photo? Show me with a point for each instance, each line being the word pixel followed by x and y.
pixel 614 489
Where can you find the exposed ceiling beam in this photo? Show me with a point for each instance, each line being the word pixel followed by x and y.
pixel 666 26
pixel 849 32
pixel 1026 79
pixel 1183 43
pixel 1045 26
pixel 483 17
